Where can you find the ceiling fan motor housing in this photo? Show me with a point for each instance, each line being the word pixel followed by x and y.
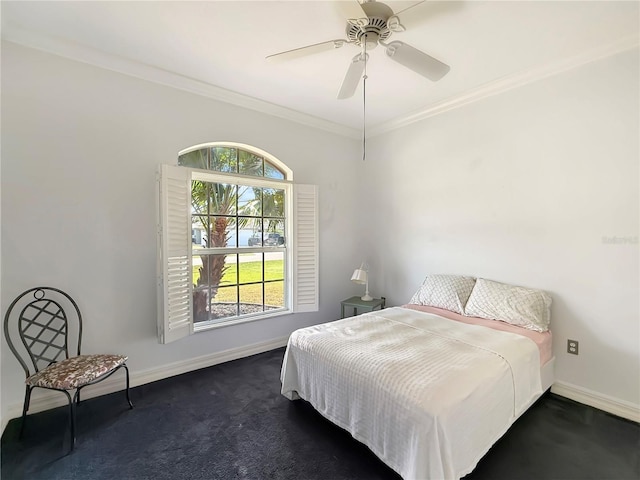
pixel 372 29
pixel 376 29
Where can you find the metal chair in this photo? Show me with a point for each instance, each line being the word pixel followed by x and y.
pixel 44 327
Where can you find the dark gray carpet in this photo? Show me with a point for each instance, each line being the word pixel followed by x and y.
pixel 230 422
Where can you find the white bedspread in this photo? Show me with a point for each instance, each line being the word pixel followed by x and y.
pixel 427 395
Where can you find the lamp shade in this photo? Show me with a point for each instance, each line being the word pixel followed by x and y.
pixel 359 276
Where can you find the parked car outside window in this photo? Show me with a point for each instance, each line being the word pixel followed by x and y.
pixel 254 239
pixel 274 239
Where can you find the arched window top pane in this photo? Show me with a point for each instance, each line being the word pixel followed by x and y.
pixel 250 164
pixel 271 171
pixel 195 159
pixel 234 158
pixel 224 159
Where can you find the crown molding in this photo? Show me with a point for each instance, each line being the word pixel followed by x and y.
pixel 510 82
pixel 115 63
pixel 91 56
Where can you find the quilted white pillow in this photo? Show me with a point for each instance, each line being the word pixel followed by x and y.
pixel 524 307
pixel 450 292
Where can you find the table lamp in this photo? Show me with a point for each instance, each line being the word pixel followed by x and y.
pixel 361 276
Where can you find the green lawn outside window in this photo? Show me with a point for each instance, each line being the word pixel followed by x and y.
pixel 251 272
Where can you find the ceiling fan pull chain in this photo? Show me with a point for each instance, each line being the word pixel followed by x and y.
pixel 364 121
pixel 364 103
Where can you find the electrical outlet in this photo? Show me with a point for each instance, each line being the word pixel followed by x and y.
pixel 572 347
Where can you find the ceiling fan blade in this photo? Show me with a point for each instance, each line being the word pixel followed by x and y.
pixel 354 12
pixel 418 61
pixel 308 50
pixel 353 76
pixel 409 7
pixel 394 23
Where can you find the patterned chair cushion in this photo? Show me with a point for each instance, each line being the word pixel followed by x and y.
pixel 75 372
pixel 450 292
pixel 519 306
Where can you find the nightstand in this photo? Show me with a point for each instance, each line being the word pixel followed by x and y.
pixel 358 304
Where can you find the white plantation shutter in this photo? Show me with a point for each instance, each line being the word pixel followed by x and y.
pixel 305 248
pixel 175 304
pixel 175 282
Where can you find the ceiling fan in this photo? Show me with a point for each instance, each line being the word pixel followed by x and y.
pixel 367 32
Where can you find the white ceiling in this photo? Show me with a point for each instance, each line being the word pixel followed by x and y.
pixel 214 45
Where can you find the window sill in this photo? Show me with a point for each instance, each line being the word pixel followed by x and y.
pixel 213 324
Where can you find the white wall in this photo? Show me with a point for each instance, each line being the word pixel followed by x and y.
pixel 522 188
pixel 80 147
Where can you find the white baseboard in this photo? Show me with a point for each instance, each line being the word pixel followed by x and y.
pixel 48 399
pixel 597 400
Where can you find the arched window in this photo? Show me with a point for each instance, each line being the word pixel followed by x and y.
pixel 249 229
pixel 234 158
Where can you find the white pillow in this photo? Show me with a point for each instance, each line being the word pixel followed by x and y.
pixel 450 292
pixel 524 307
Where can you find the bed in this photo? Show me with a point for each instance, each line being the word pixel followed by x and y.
pixel 428 390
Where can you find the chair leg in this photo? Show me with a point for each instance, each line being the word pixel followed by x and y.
pixel 25 408
pixel 127 390
pixel 72 419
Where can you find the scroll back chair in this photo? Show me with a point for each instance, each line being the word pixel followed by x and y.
pixel 43 326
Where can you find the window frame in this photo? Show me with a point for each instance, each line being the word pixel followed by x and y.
pixel 174 244
pixel 214 176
